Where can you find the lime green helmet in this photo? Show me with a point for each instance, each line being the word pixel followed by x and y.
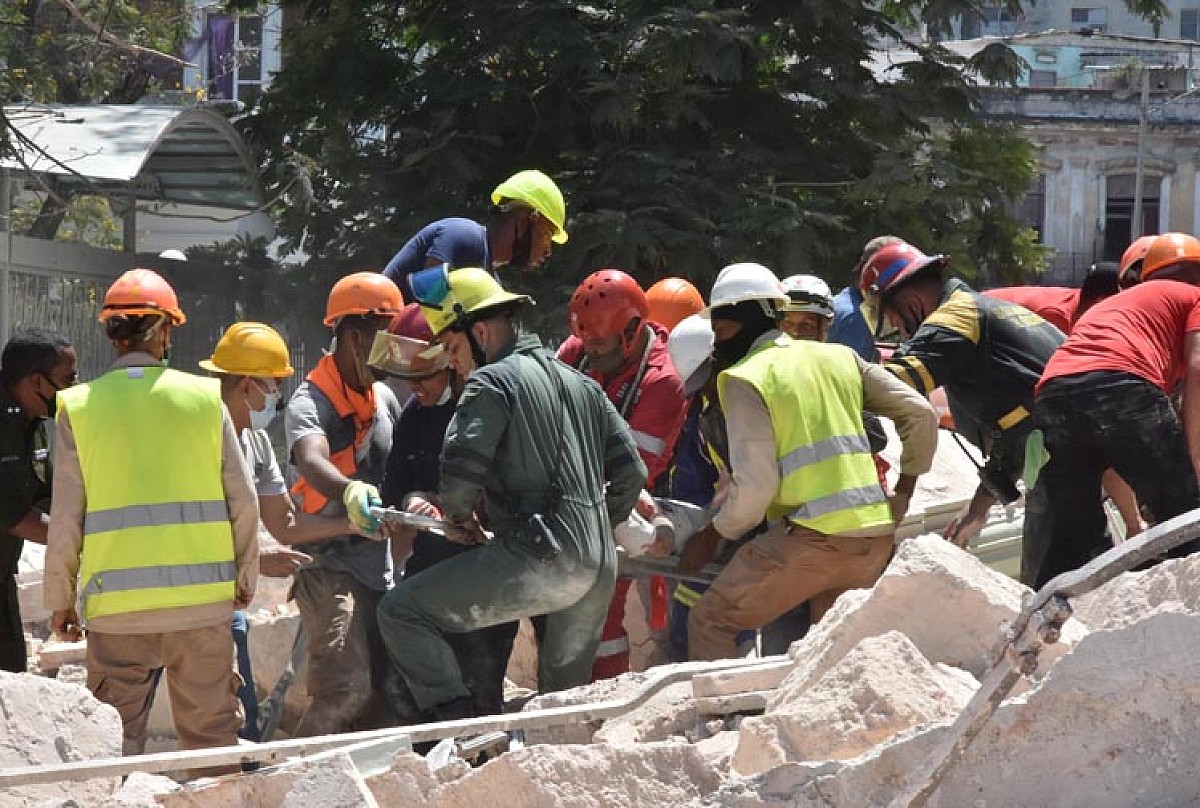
pixel 457 298
pixel 539 192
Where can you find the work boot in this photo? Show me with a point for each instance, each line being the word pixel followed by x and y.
pixel 453 710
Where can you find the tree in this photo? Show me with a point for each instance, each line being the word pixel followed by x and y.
pixel 686 135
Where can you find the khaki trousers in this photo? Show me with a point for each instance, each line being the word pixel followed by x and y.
pixel 775 572
pixel 201 680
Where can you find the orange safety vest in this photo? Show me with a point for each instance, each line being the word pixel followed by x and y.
pixel 348 404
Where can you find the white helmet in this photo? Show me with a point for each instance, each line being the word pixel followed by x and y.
pixel 690 345
pixel 738 283
pixel 808 293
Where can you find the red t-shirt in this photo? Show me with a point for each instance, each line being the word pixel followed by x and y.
pixel 1054 304
pixel 1138 331
pixel 658 408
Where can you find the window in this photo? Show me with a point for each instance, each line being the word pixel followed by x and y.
pixel 1031 210
pixel 235 57
pixel 1043 78
pixel 1119 228
pixel 1189 23
pixel 997 20
pixel 1095 19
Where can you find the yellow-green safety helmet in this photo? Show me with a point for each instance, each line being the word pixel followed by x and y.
pixel 539 192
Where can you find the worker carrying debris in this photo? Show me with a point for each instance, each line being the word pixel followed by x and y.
pixel 799 456
pixel 538 442
pixel 339 426
pixel 987 353
pixel 527 217
pixel 34 366
pixel 411 481
pixel 154 512
pixel 614 342
pixel 1103 402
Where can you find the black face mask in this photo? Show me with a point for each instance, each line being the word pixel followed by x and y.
pixel 48 401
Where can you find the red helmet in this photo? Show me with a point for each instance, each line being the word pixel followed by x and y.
pixel 672 300
pixel 1168 250
pixel 1129 271
pixel 605 304
pixel 893 264
pixel 411 323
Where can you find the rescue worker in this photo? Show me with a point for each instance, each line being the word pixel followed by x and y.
pixel 528 215
pixel 339 427
pixel 1103 402
pixel 849 326
pixel 537 442
pixel 672 300
pixel 1063 306
pixel 34 366
pixel 154 512
pixel 987 353
pixel 412 478
pixel 809 310
pixel 614 342
pixel 250 359
pixel 799 458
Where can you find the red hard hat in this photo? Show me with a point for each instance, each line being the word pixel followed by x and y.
pixel 1168 250
pixel 605 303
pixel 893 264
pixel 411 323
pixel 1129 271
pixel 672 300
pixel 140 292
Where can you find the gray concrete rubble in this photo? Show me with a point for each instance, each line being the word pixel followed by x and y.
pixel 845 719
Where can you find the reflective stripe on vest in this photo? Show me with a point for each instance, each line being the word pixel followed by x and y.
pixel 813 392
pixel 157 533
pixel 687 596
pixel 162 513
pixel 613 647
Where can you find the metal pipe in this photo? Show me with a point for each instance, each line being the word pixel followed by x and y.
pixel 1136 220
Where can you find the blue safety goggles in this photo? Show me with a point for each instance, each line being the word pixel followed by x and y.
pixel 430 286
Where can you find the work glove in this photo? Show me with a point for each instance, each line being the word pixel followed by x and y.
pixel 359 498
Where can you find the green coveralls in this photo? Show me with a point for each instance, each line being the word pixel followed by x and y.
pixel 513 421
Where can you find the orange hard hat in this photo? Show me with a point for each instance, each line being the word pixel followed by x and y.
pixel 141 292
pixel 363 293
pixel 1129 271
pixel 1168 250
pixel 672 300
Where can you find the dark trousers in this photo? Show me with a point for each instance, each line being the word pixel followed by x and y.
pixel 1093 422
pixel 12 637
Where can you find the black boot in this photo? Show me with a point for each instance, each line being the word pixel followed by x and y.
pixel 453 710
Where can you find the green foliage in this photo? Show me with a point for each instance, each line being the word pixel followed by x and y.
pixel 686 134
pixel 88 220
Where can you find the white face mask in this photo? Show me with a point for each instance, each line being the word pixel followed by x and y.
pixel 261 419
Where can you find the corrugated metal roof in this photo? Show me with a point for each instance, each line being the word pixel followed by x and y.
pixel 168 154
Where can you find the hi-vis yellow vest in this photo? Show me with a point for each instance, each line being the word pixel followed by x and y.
pixel 827 478
pixel 156 534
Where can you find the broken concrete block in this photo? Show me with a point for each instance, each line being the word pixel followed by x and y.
pixel 408 782
pixel 271 637
pixel 882 687
pixel 718 750
pixel 950 605
pixel 54 654
pixel 42 722
pixel 671 711
pixel 141 790
pixel 1172 586
pixel 595 776
pixel 328 780
pixel 741 680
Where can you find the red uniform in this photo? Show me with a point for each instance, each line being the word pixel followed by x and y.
pixel 1056 305
pixel 655 415
pixel 1140 331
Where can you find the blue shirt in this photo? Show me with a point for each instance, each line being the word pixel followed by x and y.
pixel 849 328
pixel 456 241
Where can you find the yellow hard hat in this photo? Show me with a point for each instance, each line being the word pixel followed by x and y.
pixel 250 349
pixel 539 192
pixel 468 294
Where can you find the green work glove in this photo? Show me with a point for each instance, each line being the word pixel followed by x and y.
pixel 359 498
pixel 1036 458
